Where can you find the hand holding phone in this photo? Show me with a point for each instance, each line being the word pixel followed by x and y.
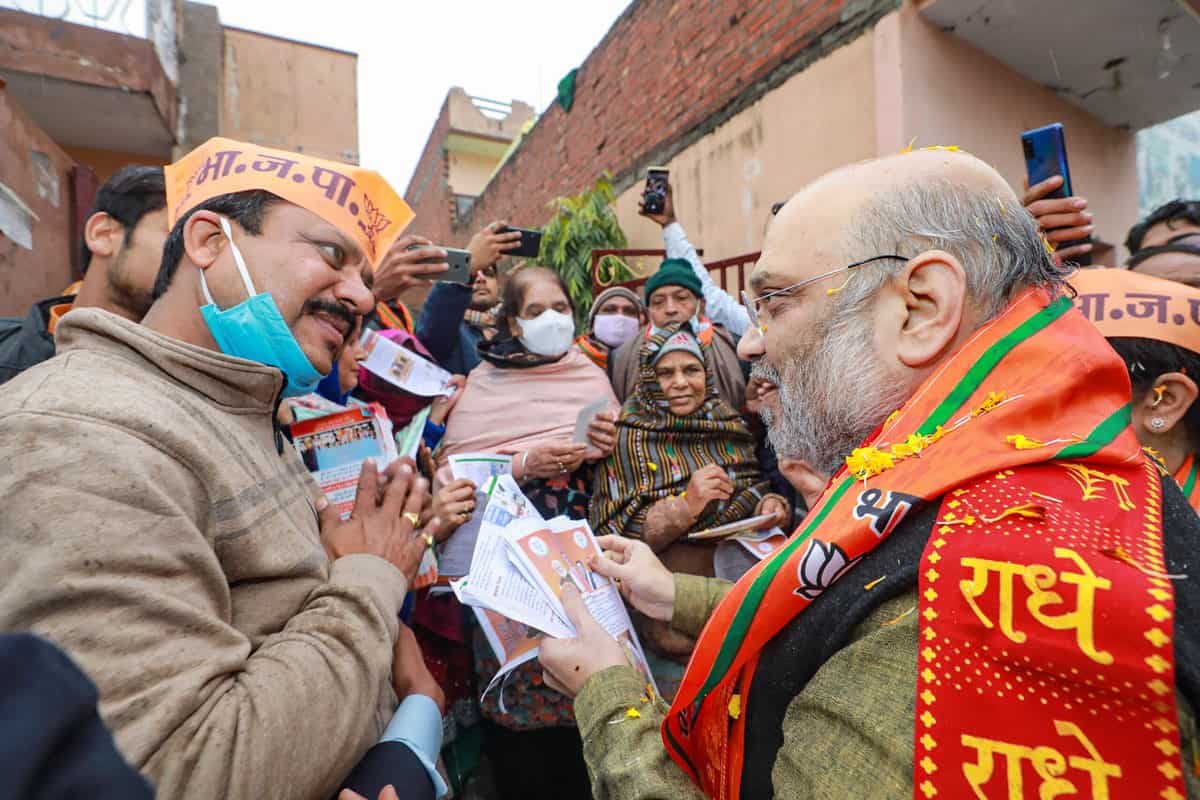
pixel 1050 196
pixel 458 264
pixel 529 245
pixel 654 196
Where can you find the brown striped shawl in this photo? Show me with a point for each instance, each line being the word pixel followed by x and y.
pixel 657 452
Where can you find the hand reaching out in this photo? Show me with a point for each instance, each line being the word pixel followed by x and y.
pixel 644 581
pixel 400 267
pixel 668 213
pixel 568 663
pixel 441 406
pixel 487 246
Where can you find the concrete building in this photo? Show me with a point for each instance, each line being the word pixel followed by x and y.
pixel 99 86
pixel 745 102
pixel 469 141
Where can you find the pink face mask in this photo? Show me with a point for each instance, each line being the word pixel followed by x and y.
pixel 615 329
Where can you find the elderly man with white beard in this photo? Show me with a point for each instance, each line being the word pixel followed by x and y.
pixel 983 600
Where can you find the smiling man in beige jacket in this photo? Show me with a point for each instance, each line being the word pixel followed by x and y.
pixel 161 530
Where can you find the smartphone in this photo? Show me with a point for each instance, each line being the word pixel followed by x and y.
pixel 1046 156
pixel 531 242
pixel 654 196
pixel 459 261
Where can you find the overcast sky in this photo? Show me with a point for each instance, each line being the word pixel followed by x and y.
pixel 411 52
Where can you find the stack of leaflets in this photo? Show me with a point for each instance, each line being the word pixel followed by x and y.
pixel 518 569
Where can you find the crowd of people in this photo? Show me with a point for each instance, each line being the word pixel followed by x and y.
pixel 986 462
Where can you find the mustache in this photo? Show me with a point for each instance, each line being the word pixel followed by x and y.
pixel 764 371
pixel 319 306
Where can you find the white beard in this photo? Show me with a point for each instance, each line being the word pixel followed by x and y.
pixel 834 390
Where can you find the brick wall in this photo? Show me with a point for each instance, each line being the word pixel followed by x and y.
pixel 39 172
pixel 429 190
pixel 667 73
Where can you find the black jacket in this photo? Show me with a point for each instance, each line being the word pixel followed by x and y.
pixel 53 745
pixel 24 341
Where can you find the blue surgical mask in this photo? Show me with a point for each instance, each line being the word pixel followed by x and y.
pixel 256 331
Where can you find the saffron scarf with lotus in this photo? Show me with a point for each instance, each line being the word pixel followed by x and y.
pixel 1043 593
pixel 657 451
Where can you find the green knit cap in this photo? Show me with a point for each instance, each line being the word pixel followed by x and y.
pixel 674 272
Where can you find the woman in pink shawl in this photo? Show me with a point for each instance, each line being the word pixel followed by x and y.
pixel 525 397
pixel 524 400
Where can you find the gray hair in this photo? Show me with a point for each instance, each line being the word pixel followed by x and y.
pixel 996 240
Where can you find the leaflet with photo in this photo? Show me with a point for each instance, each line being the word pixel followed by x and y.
pixel 333 448
pixel 560 553
pixel 404 368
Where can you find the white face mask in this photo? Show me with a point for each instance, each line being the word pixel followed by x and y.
pixel 548 334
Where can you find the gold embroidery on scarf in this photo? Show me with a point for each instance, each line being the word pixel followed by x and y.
pixel 1039 579
pixel 1090 481
pixel 1049 764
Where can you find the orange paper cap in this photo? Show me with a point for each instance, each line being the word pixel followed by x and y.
pixel 1124 303
pixel 359 202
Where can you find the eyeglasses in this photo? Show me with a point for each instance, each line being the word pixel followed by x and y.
pixel 751 304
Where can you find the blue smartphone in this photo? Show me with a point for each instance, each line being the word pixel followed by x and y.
pixel 1046 156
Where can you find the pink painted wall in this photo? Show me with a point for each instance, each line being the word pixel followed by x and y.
pixel 941 90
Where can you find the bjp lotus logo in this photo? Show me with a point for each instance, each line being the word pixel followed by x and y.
pixel 820 566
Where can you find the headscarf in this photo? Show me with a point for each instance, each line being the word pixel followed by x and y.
pixel 657 452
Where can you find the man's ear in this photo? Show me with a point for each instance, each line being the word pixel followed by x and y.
pixel 1169 400
pixel 933 289
pixel 103 235
pixel 203 238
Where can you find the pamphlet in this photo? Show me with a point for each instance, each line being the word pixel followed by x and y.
pixel 333 448
pixel 518 567
pixel 404 368
pixel 409 438
pixel 498 500
pixel 736 555
pixel 479 467
pixel 739 526
pixel 585 417
pixel 558 554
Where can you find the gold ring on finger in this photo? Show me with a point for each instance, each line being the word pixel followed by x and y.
pixel 412 517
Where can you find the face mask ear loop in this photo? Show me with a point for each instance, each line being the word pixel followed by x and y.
pixel 237 257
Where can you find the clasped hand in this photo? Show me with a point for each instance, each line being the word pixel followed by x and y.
pixel 383 523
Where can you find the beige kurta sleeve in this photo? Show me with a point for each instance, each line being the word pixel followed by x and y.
pixel 103 554
pixel 695 599
pixel 625 754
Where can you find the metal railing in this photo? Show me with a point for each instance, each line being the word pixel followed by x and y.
pixel 496 109
pixel 736 264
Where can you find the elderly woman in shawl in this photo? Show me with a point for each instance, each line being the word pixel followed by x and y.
pixel 524 400
pixel 684 460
